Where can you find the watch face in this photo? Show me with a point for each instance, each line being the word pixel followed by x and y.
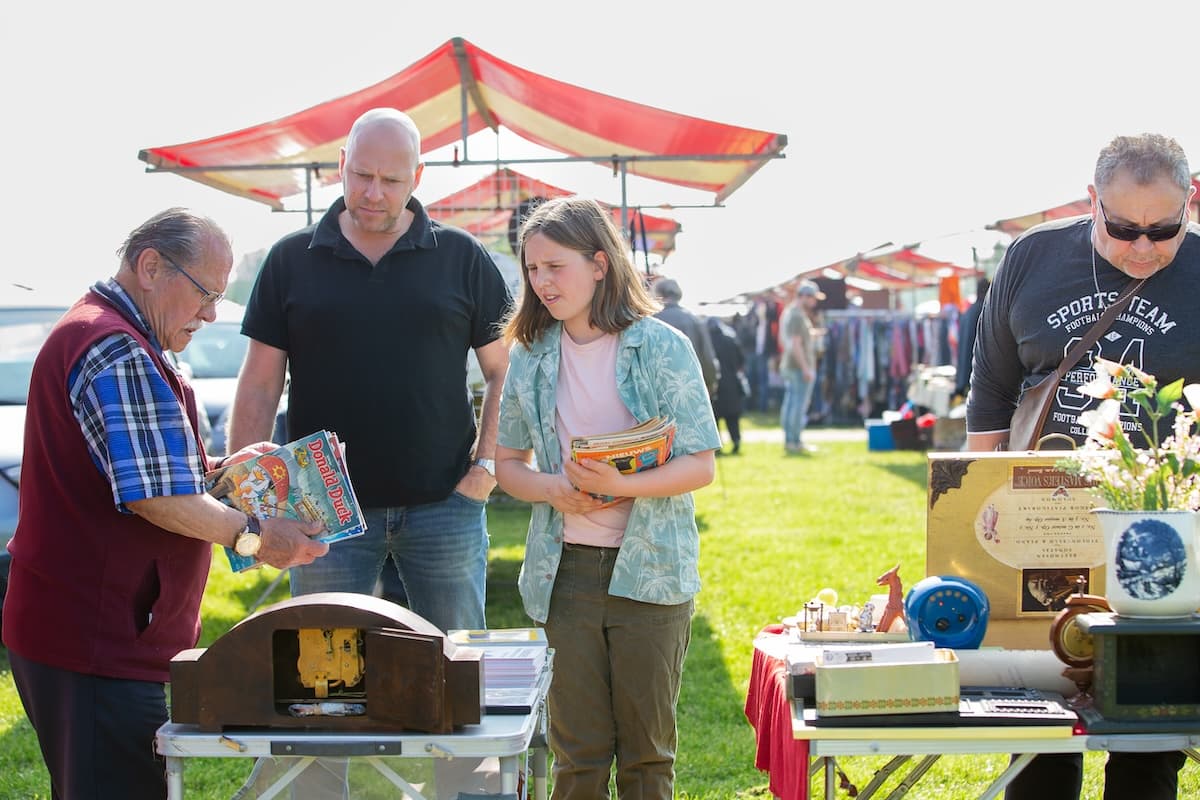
pixel 1076 644
pixel 247 544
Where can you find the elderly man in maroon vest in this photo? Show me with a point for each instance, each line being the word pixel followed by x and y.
pixel 115 535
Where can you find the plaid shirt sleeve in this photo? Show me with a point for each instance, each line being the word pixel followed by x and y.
pixel 136 429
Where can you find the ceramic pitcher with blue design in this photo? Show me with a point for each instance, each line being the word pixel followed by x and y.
pixel 1150 558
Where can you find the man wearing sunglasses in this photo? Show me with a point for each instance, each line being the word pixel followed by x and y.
pixel 1053 285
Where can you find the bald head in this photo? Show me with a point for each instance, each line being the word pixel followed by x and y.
pixel 386 122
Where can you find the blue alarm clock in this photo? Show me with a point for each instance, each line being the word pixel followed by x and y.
pixel 948 611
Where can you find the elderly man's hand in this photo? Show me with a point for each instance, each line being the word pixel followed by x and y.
pixel 289 543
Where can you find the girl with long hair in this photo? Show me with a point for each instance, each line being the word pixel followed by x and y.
pixel 613 583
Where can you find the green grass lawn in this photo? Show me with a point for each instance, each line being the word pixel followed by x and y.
pixel 774 530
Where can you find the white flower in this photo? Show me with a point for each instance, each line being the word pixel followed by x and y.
pixel 1101 386
pixel 1164 474
pixel 1103 421
pixel 1192 393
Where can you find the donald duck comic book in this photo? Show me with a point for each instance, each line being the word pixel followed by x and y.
pixel 305 480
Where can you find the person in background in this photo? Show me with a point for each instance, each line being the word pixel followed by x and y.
pixel 114 541
pixel 764 320
pixel 613 585
pixel 669 293
pixel 374 309
pixel 744 325
pixel 967 325
pixel 1053 283
pixel 732 385
pixel 819 405
pixel 798 364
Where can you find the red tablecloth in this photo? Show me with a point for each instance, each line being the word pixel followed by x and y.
pixel 782 757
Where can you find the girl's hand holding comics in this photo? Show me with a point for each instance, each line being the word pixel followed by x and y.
pixel 595 476
pixel 564 496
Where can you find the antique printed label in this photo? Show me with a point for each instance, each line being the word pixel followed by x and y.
pixel 1021 529
pixel 1040 519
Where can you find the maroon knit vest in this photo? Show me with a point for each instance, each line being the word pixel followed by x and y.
pixel 91 589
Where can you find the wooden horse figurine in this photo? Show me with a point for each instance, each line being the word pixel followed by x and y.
pixel 894 609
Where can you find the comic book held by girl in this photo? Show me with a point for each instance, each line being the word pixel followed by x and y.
pixel 641 447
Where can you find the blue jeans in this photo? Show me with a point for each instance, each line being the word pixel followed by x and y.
pixel 760 381
pixel 440 550
pixel 793 415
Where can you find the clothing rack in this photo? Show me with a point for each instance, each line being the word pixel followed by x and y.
pixel 869 357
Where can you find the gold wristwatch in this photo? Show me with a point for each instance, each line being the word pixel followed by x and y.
pixel 249 540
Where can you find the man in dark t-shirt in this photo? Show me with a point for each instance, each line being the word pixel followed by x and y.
pixel 1052 286
pixel 372 312
pixel 668 292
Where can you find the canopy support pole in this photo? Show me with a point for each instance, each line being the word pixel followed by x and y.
pixel 624 193
pixel 463 115
pixel 308 206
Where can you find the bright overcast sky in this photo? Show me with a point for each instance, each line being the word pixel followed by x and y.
pixel 906 121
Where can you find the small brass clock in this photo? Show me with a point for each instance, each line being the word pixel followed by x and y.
pixel 1070 643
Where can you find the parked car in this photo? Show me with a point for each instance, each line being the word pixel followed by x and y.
pixel 212 361
pixel 25 322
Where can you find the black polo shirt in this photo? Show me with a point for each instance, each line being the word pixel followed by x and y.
pixel 378 354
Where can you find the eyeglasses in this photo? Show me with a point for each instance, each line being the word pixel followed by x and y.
pixel 1131 233
pixel 211 298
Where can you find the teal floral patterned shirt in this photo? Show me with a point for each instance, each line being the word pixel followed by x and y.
pixel 657 374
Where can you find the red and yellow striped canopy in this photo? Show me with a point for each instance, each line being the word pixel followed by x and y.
pixel 682 150
pixel 484 208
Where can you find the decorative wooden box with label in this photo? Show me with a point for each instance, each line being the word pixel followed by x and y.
pixel 1019 527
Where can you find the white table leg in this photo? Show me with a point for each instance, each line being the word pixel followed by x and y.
pixel 1005 778
pixel 385 769
pixel 541 758
pixel 174 778
pixel 508 774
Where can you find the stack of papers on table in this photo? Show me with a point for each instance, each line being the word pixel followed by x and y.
pixel 514 666
pixel 508 667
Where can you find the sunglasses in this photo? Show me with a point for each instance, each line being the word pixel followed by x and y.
pixel 211 298
pixel 1131 233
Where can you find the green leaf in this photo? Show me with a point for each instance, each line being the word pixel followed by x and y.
pixel 1143 397
pixel 1128 453
pixel 1171 393
pixel 1150 497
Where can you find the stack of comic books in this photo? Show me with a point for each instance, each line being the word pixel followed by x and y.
pixel 305 480
pixel 644 446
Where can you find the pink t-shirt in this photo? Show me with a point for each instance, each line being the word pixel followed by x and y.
pixel 588 404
